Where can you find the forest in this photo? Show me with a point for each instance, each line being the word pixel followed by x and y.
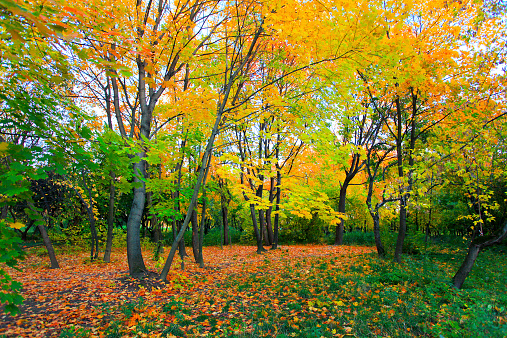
pixel 253 168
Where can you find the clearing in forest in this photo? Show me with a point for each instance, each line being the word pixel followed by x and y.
pixel 303 291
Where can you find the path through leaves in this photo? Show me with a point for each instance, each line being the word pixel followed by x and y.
pixel 98 299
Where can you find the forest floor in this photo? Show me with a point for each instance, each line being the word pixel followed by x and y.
pixel 296 291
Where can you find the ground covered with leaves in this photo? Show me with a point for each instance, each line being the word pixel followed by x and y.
pixel 297 291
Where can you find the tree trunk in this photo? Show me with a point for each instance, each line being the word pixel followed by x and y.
pixel 195 236
pixel 403 197
pixel 260 248
pixel 341 209
pixel 473 251
pixel 181 245
pixel 225 220
pixel 48 244
pixel 134 252
pixel 402 230
pixel 274 246
pixel 262 223
pixel 206 158
pixel 110 220
pixel 201 233
pixel 466 267
pixel 376 233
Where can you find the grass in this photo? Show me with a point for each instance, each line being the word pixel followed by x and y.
pixel 311 291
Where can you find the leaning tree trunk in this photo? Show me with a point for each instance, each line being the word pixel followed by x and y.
pixel 473 251
pixel 48 244
pixel 466 266
pixel 47 241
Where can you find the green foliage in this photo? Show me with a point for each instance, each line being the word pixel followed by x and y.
pixel 302 230
pixel 10 254
pixel 74 332
pixel 213 238
pixel 354 238
pixel 414 242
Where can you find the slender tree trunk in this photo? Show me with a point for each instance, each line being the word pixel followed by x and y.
pixel 376 233
pixel 206 158
pixel 201 233
pixel 181 246
pixel 403 197
pixel 262 223
pixel 110 220
pixel 225 220
pixel 402 230
pixel 94 250
pixel 274 246
pixel 195 236
pixel 341 209
pixel 48 244
pixel 269 226
pixel 260 247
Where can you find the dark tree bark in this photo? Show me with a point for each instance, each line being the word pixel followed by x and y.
pixel 277 210
pixel 45 238
pixel 225 221
pixel 195 236
pixel 260 247
pixel 473 252
pixel 110 220
pixel 181 246
pixel 134 252
pixel 403 194
pixel 404 191
pixel 376 233
pixel 356 165
pixel 49 245
pixel 201 233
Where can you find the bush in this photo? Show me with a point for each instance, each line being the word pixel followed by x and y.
pixel 10 255
pixel 302 230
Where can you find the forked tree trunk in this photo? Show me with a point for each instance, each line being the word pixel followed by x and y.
pixel 341 209
pixel 260 247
